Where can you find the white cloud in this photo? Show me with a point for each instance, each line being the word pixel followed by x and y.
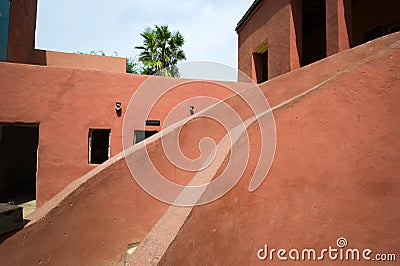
pixel 208 26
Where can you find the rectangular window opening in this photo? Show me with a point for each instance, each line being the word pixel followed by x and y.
pixel 261 66
pixel 140 135
pixel 99 145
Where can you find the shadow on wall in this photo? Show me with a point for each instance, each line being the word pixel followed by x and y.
pixel 371 20
pixel 38 57
pixel 5 236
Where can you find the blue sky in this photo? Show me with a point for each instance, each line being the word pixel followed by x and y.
pixel 84 25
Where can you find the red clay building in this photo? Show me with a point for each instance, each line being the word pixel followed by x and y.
pixel 335 170
pixel 335 174
pixel 278 36
pixel 63 106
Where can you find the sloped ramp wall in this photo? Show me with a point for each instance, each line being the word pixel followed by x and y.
pixel 335 174
pixel 326 160
pixel 90 223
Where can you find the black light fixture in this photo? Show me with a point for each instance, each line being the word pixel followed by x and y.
pixel 118 108
pixel 191 110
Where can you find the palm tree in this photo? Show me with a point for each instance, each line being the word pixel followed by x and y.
pixel 161 51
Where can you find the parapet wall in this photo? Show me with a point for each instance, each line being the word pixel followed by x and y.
pixel 78 61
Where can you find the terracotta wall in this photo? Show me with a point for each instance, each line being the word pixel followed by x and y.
pixel 78 61
pixel 338 26
pixel 269 24
pixel 93 219
pixel 279 23
pixel 91 226
pixel 66 103
pixel 335 173
pixel 334 80
pixel 295 34
pixel 21 36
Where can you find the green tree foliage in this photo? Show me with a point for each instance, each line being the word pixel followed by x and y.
pixel 132 65
pixel 99 52
pixel 161 51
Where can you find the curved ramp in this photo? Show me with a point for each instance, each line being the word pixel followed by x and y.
pixel 334 173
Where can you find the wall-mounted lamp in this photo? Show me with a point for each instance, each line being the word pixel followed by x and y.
pixel 118 108
pixel 191 110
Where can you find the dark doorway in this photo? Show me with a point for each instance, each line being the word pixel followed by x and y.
pixel 18 162
pixel 313 31
pixel 372 19
pixel 140 135
pixel 99 145
pixel 261 66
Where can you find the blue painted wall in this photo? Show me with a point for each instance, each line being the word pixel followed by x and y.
pixel 4 22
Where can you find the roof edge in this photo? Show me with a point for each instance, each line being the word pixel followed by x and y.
pixel 248 13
